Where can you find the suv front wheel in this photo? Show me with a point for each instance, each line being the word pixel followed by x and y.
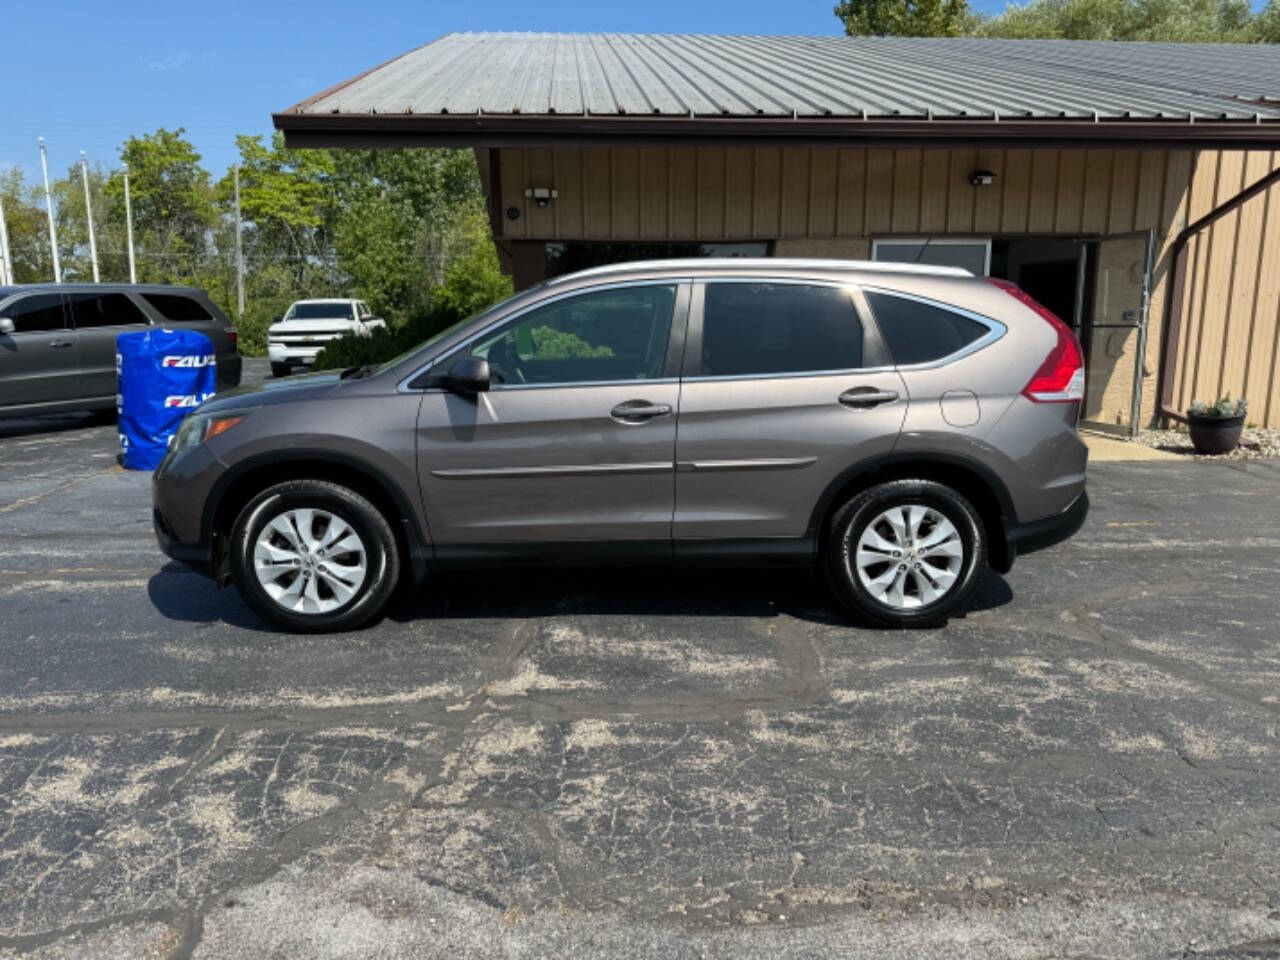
pixel 906 553
pixel 313 556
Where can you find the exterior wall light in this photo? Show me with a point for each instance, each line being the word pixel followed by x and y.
pixel 542 196
pixel 981 178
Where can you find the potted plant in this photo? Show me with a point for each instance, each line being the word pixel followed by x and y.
pixel 1215 427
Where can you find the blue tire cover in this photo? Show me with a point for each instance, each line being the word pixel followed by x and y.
pixel 161 376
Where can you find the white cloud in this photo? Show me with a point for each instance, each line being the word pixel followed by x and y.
pixel 172 61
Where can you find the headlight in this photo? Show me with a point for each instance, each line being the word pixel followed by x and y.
pixel 197 428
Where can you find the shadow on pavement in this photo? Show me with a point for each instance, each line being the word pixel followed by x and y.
pixel 54 423
pixel 179 594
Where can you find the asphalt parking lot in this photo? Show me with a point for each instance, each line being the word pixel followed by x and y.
pixel 577 765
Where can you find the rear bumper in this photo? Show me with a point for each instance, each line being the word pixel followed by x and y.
pixel 228 372
pixel 1029 537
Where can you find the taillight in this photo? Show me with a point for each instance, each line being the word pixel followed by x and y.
pixel 234 336
pixel 1060 379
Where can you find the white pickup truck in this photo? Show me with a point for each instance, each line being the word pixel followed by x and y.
pixel 298 336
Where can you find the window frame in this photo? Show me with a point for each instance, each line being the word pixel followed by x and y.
pixel 146 297
pixel 875 354
pixel 24 297
pixel 69 301
pixel 671 366
pixel 995 329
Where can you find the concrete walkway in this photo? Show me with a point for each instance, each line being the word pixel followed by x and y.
pixel 1103 449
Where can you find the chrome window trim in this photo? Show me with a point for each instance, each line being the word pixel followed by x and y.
pixel 403 385
pixel 995 329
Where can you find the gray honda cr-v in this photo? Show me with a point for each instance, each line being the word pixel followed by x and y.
pixel 903 427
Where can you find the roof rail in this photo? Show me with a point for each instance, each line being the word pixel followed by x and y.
pixel 769 264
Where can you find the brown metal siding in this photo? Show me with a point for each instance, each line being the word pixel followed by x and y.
pixel 1230 340
pixel 829 202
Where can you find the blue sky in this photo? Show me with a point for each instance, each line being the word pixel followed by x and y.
pixel 90 74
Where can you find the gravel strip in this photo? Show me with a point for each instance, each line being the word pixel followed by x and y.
pixel 1255 443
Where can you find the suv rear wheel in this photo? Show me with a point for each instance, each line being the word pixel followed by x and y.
pixel 906 553
pixel 281 369
pixel 313 556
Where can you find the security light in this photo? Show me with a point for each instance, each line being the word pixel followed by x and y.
pixel 981 178
pixel 541 195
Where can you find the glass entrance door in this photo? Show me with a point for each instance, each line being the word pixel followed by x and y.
pixel 1113 332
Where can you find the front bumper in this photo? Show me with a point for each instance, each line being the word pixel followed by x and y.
pixel 180 490
pixel 194 555
pixel 288 353
pixel 1029 537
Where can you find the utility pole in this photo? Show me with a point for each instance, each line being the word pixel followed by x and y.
pixel 128 224
pixel 48 206
pixel 88 215
pixel 239 253
pixel 6 260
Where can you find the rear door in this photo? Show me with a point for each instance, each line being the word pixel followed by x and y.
pixel 39 361
pixel 575 439
pixel 98 318
pixel 784 390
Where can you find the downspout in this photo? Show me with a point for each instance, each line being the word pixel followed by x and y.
pixel 1173 302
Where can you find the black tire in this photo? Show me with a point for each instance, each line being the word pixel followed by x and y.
pixel 382 559
pixel 850 521
pixel 281 369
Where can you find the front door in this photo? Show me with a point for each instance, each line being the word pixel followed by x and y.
pixel 98 318
pixel 575 439
pixel 778 400
pixel 39 361
pixel 1114 334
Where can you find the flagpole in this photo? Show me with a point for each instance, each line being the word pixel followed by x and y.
pixel 128 222
pixel 48 206
pixel 6 260
pixel 88 215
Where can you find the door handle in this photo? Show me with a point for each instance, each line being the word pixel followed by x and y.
pixel 638 411
pixel 59 344
pixel 862 398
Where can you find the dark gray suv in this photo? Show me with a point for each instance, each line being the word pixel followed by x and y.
pixel 58 341
pixel 903 427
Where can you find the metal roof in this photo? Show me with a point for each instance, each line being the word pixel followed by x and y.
pixel 475 81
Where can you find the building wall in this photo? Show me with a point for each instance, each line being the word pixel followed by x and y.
pixel 831 202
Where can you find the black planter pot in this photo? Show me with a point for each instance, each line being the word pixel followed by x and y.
pixel 1214 435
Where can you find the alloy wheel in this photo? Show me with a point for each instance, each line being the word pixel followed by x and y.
pixel 310 561
pixel 909 556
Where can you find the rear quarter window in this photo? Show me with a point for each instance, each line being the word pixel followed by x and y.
pixel 175 306
pixel 918 332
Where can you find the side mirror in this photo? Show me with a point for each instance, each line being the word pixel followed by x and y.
pixel 6 326
pixel 468 375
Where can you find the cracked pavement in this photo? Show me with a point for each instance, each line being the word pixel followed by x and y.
pixel 576 764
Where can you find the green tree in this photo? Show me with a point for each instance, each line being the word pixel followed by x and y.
pixel 28 230
pixel 905 18
pixel 173 210
pixel 1179 21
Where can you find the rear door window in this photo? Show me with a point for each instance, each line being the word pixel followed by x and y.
pixel 919 332
pixel 762 329
pixel 175 306
pixel 89 310
pixel 601 336
pixel 37 314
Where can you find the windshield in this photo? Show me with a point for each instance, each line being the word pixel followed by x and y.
pixel 441 334
pixel 319 311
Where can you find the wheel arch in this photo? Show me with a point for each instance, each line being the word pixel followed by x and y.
pixel 241 483
pixel 976 482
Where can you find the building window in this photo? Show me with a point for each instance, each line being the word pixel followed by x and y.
pixel 970 254
pixel 565 258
